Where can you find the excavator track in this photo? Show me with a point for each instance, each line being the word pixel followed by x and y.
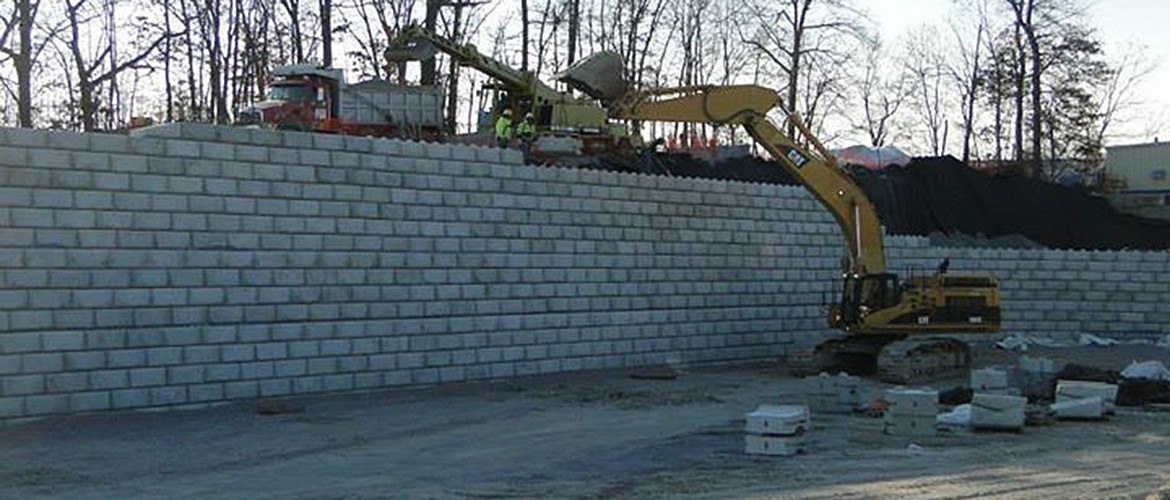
pixel 916 360
pixel 892 359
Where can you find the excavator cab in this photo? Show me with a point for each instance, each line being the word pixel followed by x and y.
pixel 862 295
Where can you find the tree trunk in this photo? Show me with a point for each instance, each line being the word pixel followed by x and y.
pixel 524 35
pixel 1037 162
pixel 1021 58
pixel 453 75
pixel 799 14
pixel 574 29
pixel 326 33
pixel 427 67
pixel 23 62
pixel 170 92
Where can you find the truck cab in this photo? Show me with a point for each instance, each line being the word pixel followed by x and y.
pixel 301 97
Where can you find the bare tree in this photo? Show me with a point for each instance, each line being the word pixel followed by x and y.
pixel 20 22
pixel 1119 96
pixel 293 9
pixel 925 62
pixel 88 78
pixel 795 34
pixel 883 91
pixel 965 69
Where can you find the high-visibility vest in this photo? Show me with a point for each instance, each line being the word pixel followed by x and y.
pixel 504 128
pixel 525 129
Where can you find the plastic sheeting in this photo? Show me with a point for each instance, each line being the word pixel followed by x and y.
pixel 943 195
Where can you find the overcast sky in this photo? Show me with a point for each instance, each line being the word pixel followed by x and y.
pixel 1118 22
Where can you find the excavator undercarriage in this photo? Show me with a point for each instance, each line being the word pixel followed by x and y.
pixel 896 359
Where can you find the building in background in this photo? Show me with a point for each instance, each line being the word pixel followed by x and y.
pixel 1142 172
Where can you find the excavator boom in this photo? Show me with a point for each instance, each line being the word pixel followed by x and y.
pixel 878 310
pixel 416 43
pixel 810 162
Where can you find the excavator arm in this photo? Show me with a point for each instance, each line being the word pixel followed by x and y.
pixel 415 43
pixel 807 160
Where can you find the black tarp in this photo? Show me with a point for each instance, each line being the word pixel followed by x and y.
pixel 943 195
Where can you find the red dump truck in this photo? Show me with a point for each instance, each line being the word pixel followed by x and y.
pixel 313 98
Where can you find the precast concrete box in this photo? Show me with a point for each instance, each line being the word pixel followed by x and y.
pixel 997 412
pixel 755 444
pixel 778 420
pixel 1080 409
pixel 1072 390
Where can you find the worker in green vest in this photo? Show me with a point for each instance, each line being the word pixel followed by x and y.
pixel 504 128
pixel 526 132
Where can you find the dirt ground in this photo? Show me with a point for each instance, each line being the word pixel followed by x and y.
pixel 585 435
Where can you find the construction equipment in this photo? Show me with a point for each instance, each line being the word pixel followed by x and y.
pixel 567 126
pixel 313 98
pixel 884 318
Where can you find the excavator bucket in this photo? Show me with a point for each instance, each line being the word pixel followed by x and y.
pixel 412 50
pixel 599 76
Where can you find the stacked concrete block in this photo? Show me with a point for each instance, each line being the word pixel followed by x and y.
pixel 840 394
pixel 998 412
pixel 910 412
pixel 1068 391
pixel 192 264
pixel 777 430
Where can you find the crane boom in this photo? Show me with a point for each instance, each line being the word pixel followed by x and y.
pixel 813 166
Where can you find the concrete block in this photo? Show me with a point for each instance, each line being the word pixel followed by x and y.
pixel 307 385
pixel 277 350
pixel 66 382
pixel 343 382
pixel 910 402
pixel 778 420
pixel 989 379
pixel 15 343
pixel 42 362
pixel 22 385
pixel 46 404
pixel 109 379
pixel 165 396
pixel 146 377
pixel 189 374
pixel 9 364
pixel 242 390
pixel 911 425
pixel 993 411
pixel 232 353
pixel 129 398
pixel 205 392
pixel 126 358
pixel 511 157
pixel 1073 390
pixel 222 372
pixel 263 369
pixel 488 155
pixel 774 445
pixel 89 401
pixel 76 361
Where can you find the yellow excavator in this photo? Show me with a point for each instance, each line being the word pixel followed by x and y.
pixel 888 321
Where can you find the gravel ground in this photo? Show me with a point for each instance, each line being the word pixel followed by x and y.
pixel 584 435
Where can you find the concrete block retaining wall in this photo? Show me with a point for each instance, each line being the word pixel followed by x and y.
pixel 1061 293
pixel 196 264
